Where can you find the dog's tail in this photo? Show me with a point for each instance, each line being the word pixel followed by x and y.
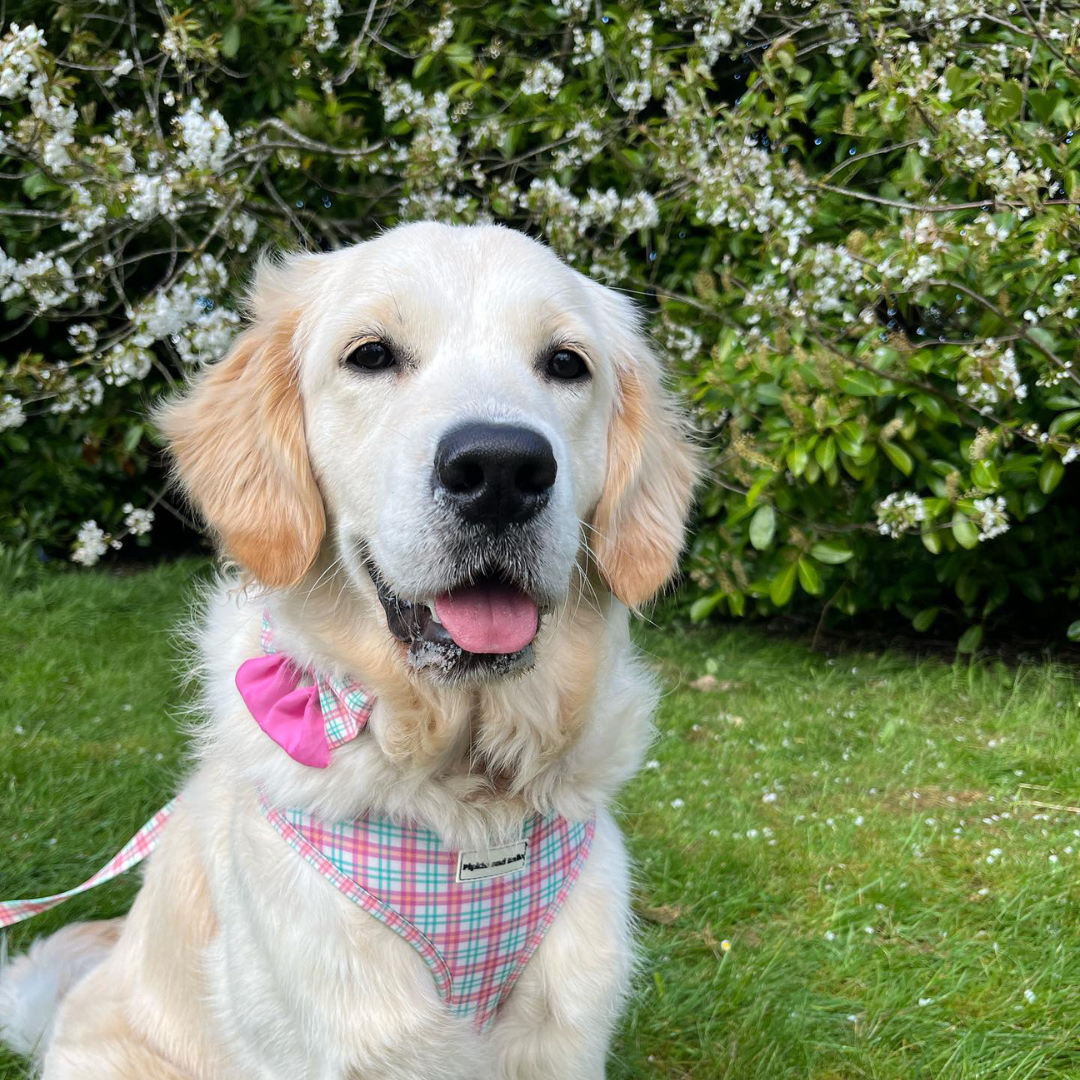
pixel 33 985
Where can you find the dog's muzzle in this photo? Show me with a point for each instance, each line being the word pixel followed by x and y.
pixel 483 628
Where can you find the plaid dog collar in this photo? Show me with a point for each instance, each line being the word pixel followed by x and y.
pixel 306 713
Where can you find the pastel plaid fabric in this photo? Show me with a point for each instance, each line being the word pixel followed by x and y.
pixel 346 706
pixel 131 854
pixel 475 936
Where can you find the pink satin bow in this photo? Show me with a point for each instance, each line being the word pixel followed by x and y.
pixel 289 713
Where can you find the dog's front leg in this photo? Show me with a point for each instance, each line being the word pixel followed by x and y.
pixel 559 1018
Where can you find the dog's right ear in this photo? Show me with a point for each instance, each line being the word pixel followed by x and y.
pixel 238 445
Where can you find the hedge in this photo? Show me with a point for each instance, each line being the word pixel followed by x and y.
pixel 854 226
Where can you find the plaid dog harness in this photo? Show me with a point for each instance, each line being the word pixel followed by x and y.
pixel 475 917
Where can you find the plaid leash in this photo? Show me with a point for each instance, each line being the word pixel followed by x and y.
pixel 131 854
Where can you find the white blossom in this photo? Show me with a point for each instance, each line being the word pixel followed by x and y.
pixel 206 139
pixel 588 46
pixel 321 17
pixel 19 50
pixel 900 512
pixel 971 122
pixel 126 363
pixel 993 520
pixel 542 78
pixel 83 336
pixel 441 33
pixel 988 376
pixel 138 522
pixel 638 212
pixel 634 96
pixel 150 196
pixel 11 412
pixel 91 543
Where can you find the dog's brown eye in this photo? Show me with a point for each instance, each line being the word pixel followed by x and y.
pixel 370 356
pixel 566 364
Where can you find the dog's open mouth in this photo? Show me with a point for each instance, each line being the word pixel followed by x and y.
pixel 483 627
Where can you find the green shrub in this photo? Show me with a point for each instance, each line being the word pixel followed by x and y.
pixel 855 227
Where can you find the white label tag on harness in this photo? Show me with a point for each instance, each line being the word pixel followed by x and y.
pixel 492 862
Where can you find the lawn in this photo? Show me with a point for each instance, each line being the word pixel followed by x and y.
pixel 848 867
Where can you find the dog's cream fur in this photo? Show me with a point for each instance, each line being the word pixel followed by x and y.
pixel 237 961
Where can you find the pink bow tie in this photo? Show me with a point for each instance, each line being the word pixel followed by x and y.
pixel 307 722
pixel 289 713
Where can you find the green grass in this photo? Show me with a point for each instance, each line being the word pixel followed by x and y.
pixel 843 869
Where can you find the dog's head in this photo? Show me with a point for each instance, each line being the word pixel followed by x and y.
pixel 455 419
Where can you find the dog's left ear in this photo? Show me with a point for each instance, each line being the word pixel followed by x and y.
pixel 640 521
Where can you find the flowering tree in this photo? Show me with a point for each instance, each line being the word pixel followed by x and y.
pixel 855 227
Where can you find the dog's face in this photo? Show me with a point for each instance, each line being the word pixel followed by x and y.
pixel 458 390
pixel 461 420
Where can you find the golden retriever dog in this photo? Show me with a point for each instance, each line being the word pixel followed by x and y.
pixel 440 464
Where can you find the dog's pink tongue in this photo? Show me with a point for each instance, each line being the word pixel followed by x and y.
pixel 489 618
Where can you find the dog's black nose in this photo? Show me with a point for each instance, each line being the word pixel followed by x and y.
pixel 495 474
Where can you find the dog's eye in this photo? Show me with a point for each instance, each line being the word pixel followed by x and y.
pixel 371 356
pixel 566 364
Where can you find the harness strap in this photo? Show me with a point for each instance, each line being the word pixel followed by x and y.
pixel 131 854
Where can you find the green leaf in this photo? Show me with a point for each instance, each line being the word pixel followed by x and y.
pixel 925 619
pixel 230 41
pixel 757 488
pixel 899 457
pixel 704 606
pixel 967 536
pixel 1050 475
pixel 763 527
pixel 912 170
pixel 1043 103
pixel 985 475
pixel 967 588
pixel 859 384
pixel 1073 633
pixel 832 552
pixel 1064 421
pixel 825 452
pixel 783 585
pixel 849 437
pixel 970 640
pixel 133 437
pixel 423 64
pixel 37 183
pixel 809 578
pixel 1008 103
pixel 797 460
pixel 931 539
